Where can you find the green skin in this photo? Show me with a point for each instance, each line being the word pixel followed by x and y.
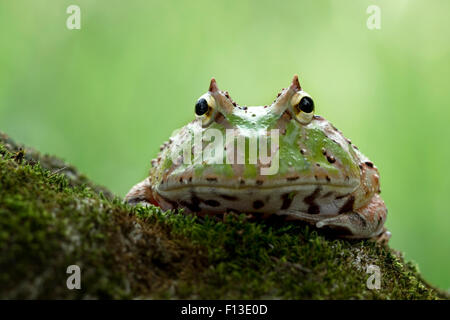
pixel 321 177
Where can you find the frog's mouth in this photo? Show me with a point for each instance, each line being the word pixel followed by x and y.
pixel 184 183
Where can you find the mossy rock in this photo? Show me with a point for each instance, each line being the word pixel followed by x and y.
pixel 52 217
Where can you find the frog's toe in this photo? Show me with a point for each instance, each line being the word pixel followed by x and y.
pixel 348 225
pixel 365 222
pixel 140 194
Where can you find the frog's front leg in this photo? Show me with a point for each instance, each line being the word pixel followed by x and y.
pixel 365 222
pixel 141 193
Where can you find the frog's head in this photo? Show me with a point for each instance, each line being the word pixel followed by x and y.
pixel 217 105
pixel 305 152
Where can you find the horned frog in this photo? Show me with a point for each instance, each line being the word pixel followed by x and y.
pixel 320 177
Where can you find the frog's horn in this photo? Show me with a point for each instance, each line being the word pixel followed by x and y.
pixel 282 102
pixel 213 86
pixel 295 85
pixel 223 100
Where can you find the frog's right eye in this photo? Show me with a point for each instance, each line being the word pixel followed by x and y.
pixel 205 109
pixel 302 107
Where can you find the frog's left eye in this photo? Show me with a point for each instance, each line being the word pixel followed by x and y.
pixel 205 109
pixel 302 107
pixel 201 107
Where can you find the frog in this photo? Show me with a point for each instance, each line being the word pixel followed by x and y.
pixel 320 177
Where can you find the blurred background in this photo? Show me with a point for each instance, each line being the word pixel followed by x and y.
pixel 106 96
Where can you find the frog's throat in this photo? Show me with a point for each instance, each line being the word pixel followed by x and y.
pixel 312 198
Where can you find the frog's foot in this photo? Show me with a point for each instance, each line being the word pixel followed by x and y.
pixel 140 194
pixel 363 223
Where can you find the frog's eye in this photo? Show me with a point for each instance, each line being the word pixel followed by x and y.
pixel 205 108
pixel 201 107
pixel 302 107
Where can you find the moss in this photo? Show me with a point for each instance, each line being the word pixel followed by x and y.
pixel 53 164
pixel 51 218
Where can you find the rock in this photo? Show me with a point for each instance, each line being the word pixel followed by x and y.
pixel 51 217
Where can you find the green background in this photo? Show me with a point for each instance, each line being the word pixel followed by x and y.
pixel 106 96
